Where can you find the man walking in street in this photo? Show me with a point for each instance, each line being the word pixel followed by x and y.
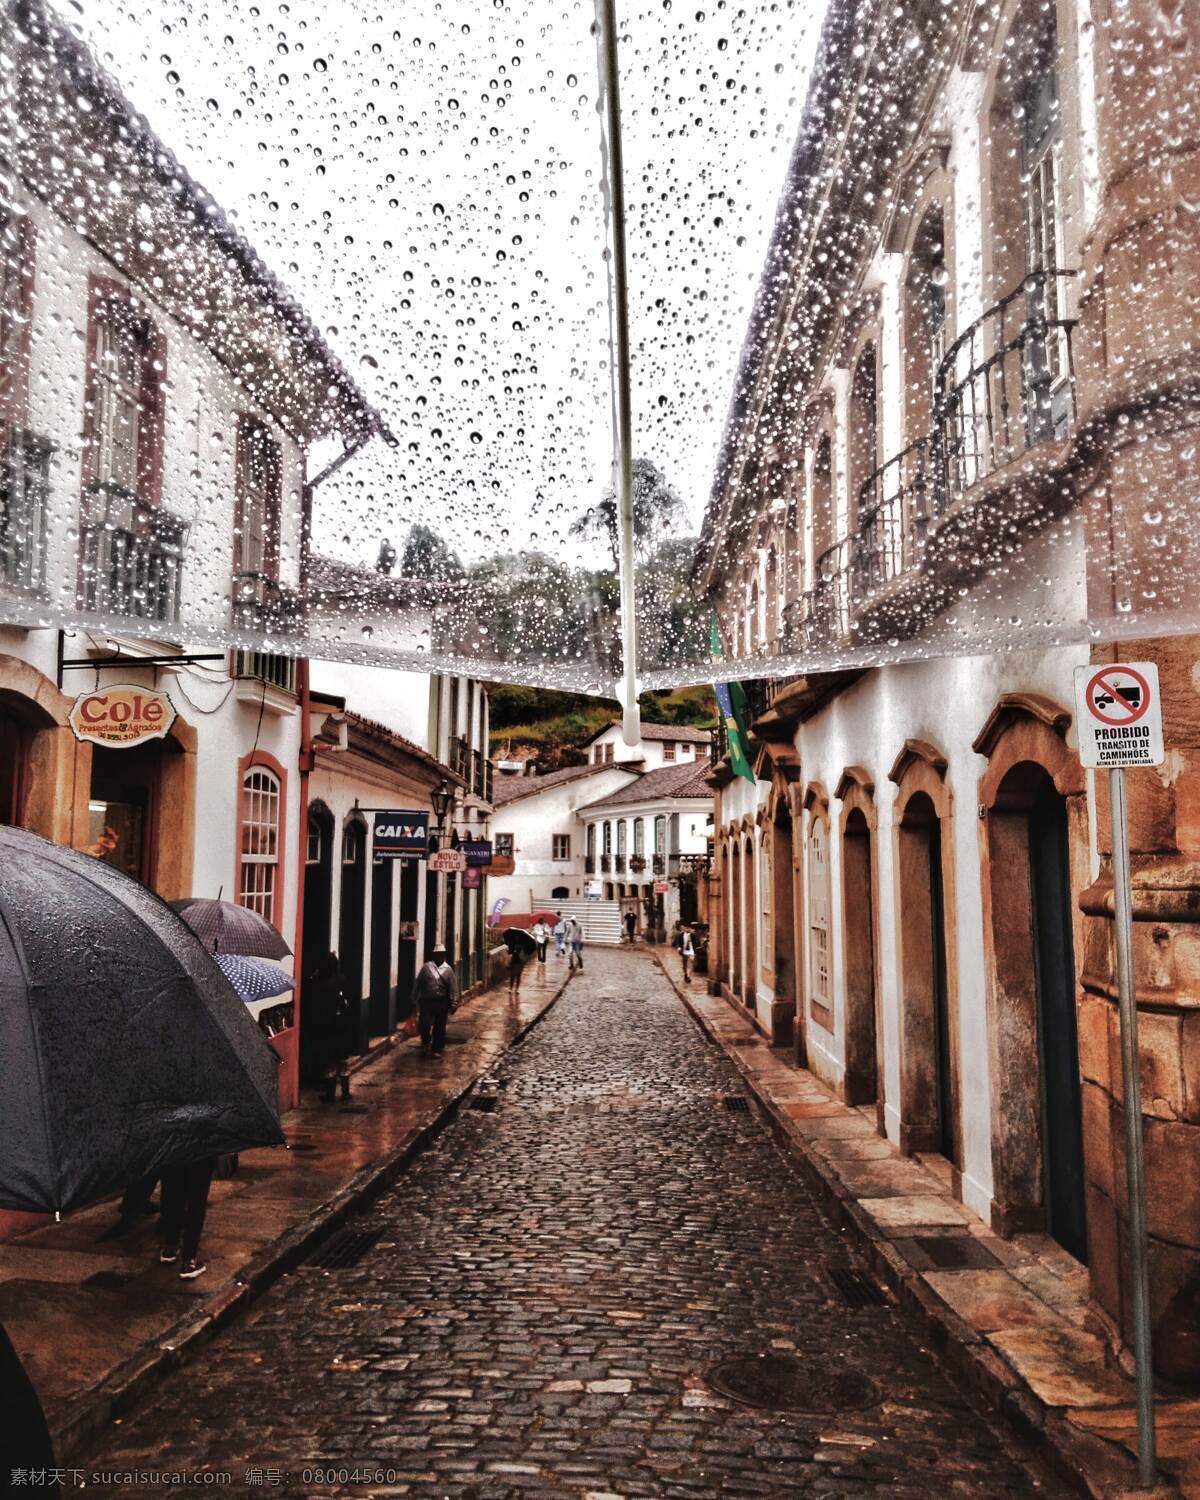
pixel 575 943
pixel 435 995
pixel 560 935
pixel 630 926
pixel 687 952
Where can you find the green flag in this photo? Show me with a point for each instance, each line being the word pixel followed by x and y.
pixel 731 705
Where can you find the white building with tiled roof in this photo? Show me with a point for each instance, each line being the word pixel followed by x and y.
pixel 662 745
pixel 608 830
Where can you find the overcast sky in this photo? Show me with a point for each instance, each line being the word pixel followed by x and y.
pixel 424 177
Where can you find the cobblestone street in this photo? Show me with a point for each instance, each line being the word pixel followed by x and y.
pixel 550 1285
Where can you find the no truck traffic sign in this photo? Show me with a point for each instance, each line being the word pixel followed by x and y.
pixel 1119 715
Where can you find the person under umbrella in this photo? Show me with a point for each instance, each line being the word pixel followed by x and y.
pixel 520 945
pixel 435 994
pixel 172 1070
pixel 329 1018
pixel 184 1205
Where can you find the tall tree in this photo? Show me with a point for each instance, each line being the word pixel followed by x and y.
pixel 657 511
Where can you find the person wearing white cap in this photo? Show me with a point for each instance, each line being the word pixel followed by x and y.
pixel 435 995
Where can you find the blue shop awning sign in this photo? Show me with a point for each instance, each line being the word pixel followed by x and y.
pixel 478 852
pixel 401 833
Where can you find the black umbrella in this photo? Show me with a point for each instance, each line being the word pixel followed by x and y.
pixel 123 1048
pixel 224 927
pixel 518 940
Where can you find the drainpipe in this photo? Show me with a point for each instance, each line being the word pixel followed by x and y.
pixel 305 766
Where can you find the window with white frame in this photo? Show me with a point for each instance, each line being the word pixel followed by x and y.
pixel 668 750
pixel 639 837
pixel 621 836
pixel 818 909
pixel 259 487
pixel 260 841
pixel 354 838
pixel 606 846
pixel 312 848
pixel 562 846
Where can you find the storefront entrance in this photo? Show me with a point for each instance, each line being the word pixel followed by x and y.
pixel 123 808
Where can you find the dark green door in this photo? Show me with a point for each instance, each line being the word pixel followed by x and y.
pixel 941 996
pixel 1062 1120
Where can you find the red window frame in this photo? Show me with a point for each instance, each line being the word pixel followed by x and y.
pixel 245 765
pixel 248 427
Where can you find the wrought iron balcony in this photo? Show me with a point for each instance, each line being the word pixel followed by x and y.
pixel 131 555
pixel 605 864
pixel 460 757
pixel 265 666
pixel 589 864
pixel 1006 384
pixel 660 864
pixel 619 864
pixel 24 500
pixel 826 606
pixel 264 605
pixel 637 863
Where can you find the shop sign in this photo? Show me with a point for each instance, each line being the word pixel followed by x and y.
pixel 472 878
pixel 448 861
pixel 478 852
pixel 661 887
pixel 401 833
pixel 121 716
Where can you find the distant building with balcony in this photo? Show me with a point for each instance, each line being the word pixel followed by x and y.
pixel 972 357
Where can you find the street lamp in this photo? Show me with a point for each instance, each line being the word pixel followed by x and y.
pixel 441 798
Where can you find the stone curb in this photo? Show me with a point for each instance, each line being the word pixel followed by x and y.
pixel 1098 1469
pixel 77 1421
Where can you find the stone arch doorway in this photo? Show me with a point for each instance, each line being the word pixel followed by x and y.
pixel 734 847
pixel 783 913
pixel 352 914
pixel 749 990
pixel 318 888
pixel 861 1081
pixel 929 1071
pixel 1035 860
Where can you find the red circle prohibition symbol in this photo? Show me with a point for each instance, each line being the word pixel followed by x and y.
pixel 1129 714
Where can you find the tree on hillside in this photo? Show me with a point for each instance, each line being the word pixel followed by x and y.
pixel 657 511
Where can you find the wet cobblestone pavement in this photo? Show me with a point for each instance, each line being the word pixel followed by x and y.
pixel 549 1287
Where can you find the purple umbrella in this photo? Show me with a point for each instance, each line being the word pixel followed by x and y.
pixel 224 927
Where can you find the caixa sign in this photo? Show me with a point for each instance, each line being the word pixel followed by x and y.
pixel 401 833
pixel 121 716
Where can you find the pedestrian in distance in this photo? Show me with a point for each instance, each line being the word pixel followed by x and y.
pixel 516 967
pixel 181 1223
pixel 435 995
pixel 687 951
pixel 630 926
pixel 560 935
pixel 329 1019
pixel 575 943
pixel 541 936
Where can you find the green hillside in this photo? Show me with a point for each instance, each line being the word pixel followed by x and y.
pixel 553 727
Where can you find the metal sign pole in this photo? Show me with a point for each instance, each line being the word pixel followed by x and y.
pixel 1135 1160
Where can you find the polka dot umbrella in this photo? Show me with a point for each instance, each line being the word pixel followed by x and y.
pixel 254 978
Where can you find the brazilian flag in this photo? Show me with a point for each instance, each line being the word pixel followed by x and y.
pixel 731 704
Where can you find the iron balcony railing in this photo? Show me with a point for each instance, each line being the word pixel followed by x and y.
pixel 24 501
pixel 1006 384
pixel 589 864
pixel 131 555
pixel 605 864
pixel 637 863
pixel 264 605
pixel 826 612
pixel 619 865
pixel 660 864
pixel 265 666
pixel 460 756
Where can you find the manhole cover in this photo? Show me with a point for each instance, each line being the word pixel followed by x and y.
pixel 780 1382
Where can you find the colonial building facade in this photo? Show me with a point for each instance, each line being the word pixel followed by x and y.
pixel 972 359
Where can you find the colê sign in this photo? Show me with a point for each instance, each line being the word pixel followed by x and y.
pixel 121 716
